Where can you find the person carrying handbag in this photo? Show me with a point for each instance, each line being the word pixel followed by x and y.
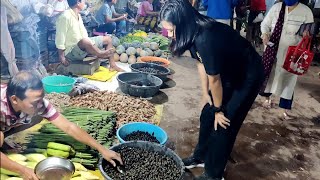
pixel 279 31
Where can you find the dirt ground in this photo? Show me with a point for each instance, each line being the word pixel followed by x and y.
pixel 267 147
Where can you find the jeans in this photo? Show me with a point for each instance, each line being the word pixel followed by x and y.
pixel 119 27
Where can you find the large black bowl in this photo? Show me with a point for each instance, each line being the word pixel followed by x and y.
pixel 147 146
pixel 164 71
pixel 139 84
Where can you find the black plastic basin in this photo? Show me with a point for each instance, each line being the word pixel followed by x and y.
pixel 147 146
pixel 139 84
pixel 163 72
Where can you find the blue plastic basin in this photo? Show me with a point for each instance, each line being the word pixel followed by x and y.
pixel 126 129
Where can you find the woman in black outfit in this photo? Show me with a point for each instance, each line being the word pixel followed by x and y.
pixel 231 73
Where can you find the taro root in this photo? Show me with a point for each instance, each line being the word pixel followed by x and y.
pixel 142 136
pixel 144 165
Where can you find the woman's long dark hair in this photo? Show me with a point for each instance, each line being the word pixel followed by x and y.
pixel 188 21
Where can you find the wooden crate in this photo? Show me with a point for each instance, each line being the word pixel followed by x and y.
pixel 79 67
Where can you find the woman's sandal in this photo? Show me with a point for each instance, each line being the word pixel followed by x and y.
pixel 267 103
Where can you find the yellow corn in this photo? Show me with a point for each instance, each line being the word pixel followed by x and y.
pixel 35 157
pixel 31 164
pixel 14 178
pixel 3 177
pixel 17 157
pixel 7 172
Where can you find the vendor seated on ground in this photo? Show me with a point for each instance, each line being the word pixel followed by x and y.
pixel 23 106
pixel 146 16
pixel 72 38
pixel 109 20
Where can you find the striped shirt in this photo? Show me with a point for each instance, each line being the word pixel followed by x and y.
pixel 9 119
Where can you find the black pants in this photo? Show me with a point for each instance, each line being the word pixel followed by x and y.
pixel 214 147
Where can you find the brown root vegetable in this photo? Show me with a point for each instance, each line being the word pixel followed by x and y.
pixel 128 109
pixel 58 100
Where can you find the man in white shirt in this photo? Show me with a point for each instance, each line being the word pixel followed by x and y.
pixel 72 38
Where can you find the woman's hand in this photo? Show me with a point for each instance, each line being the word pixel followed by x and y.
pixel 110 156
pixel 221 120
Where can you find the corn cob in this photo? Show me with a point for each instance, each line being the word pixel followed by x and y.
pixel 31 165
pixel 17 157
pixel 35 157
pixel 8 173
pixel 3 177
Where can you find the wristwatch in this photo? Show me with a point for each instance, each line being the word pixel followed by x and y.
pixel 217 109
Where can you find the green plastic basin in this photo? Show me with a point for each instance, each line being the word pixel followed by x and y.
pixel 58 84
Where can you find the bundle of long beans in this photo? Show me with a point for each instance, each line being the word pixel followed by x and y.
pixel 99 124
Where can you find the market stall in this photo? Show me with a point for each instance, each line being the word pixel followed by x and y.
pixel 99 106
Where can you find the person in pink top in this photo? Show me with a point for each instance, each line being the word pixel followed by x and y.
pixel 146 16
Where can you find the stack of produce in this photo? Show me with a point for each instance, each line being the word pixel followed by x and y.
pixel 139 33
pixel 59 150
pixel 128 109
pixel 31 160
pixel 28 160
pixel 58 100
pixel 132 47
pixel 161 40
pixel 65 151
pixel 99 124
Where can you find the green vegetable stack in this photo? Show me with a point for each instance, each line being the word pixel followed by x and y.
pixel 99 124
pixel 161 40
pixel 59 150
pixel 131 39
